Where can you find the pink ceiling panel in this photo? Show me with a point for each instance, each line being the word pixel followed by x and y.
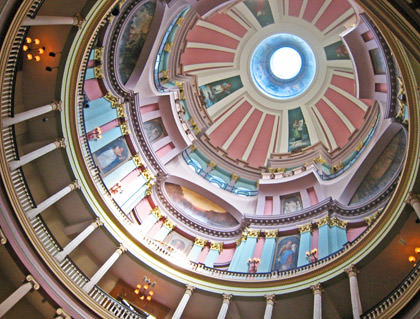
pixel 240 143
pixel 354 113
pixel 346 84
pixel 262 143
pixel 165 150
pixel 219 136
pixel 93 89
pixel 294 7
pixel 335 9
pixel 312 9
pixel 337 127
pixel 149 108
pixel 226 22
pixel 198 56
pixel 204 35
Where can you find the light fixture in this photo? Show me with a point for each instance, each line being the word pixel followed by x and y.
pixel 33 49
pixel 412 259
pixel 253 264
pixel 417 250
pixel 144 290
pixel 311 256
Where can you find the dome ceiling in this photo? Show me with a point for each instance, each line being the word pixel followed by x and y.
pixel 317 106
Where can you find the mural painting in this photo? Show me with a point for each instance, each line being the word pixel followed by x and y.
pixel 291 203
pixel 378 63
pixel 132 40
pixel 154 129
pixel 179 242
pixel 298 132
pixel 212 93
pixel 198 207
pixel 385 167
pixel 261 10
pixel 337 51
pixel 112 155
pixel 286 254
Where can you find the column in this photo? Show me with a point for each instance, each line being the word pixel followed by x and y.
pixel 3 238
pixel 77 20
pixel 338 228
pixel 18 294
pixel 414 201
pixel 224 307
pixel 240 243
pixel 305 244
pixel 354 291
pixel 25 159
pixel 247 250
pixel 184 300
pixel 195 252
pixel 324 248
pixel 32 213
pixel 61 314
pixel 268 251
pixel 166 228
pixel 77 240
pixel 104 268
pixel 269 306
pixel 215 249
pixel 20 117
pixel 317 290
pixel 150 220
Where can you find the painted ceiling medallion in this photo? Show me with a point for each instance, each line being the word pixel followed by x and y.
pixel 283 66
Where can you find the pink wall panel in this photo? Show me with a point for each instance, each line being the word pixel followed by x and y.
pixel 339 130
pixel 312 9
pixel 198 56
pixel 354 113
pixel 381 87
pixel 143 208
pixel 158 225
pixel 204 35
pixel 165 150
pixel 259 151
pixel 294 7
pixel 332 13
pixel 225 256
pixel 315 236
pixel 353 233
pixel 343 83
pixel 220 135
pixel 259 247
pixel 91 64
pixel 149 108
pixel 268 207
pixel 93 89
pixel 241 141
pixel 312 196
pixel 130 177
pixel 226 22
pixel 203 255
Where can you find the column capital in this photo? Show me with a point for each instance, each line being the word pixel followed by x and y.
pixel 78 20
pixel 147 175
pixel 189 289
pixel 169 224
pixel 270 299
pixel 75 185
pixel 216 246
pixel 138 160
pixel 412 198
pixel 253 233
pixel 56 106
pixel 200 241
pixel 226 297
pixel 335 221
pixel 60 142
pixel 156 211
pixel 3 239
pixel 121 249
pixel 317 288
pixel 352 271
pixel 31 279
pixel 97 223
pixel 270 233
pixel 61 314
pixel 305 228
pixel 212 164
pixel 323 221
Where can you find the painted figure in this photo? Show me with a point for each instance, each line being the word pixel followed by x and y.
pixel 285 256
pixel 111 156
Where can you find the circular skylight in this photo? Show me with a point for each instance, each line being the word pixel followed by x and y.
pixel 283 66
pixel 285 63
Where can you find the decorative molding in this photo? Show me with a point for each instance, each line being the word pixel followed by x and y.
pixel 61 314
pixel 253 233
pixel 305 228
pixel 370 219
pixel 3 239
pixel 412 198
pixel 270 299
pixel 112 98
pixel 156 211
pixel 35 284
pixel 317 288
pixel 226 297
pixel 169 224
pixel 56 106
pixel 75 185
pixel 138 160
pixel 97 223
pixel 189 289
pixel 216 246
pixel 352 271
pixel 323 221
pixel 60 142
pixel 270 233
pixel 147 175
pixel 124 128
pixel 335 221
pixel 99 73
pixel 121 249
pixel 121 111
pixel 98 54
pixel 200 242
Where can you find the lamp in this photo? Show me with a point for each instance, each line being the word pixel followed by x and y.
pixel 144 289
pixel 33 49
pixel 311 255
pixel 253 264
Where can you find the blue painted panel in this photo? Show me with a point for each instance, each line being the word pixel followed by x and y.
pixel 267 255
pixel 107 138
pixel 122 171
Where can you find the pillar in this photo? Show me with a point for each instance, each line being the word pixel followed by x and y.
pixel 240 243
pixel 32 213
pixel 3 238
pixel 104 268
pixel 414 201
pixel 247 250
pixel 182 304
pixel 354 291
pixel 166 228
pixel 215 249
pixel 317 291
pixel 195 251
pixel 77 20
pixel 61 314
pixel 268 251
pixel 18 294
pixel 305 244
pixel 150 220
pixel 338 233
pixel 20 117
pixel 77 240
pixel 224 307
pixel 25 159
pixel 324 248
pixel 269 305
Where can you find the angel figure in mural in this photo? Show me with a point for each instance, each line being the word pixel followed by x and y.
pixel 111 155
pixel 214 93
pixel 297 129
pixel 285 256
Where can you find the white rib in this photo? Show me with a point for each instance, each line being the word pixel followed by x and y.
pixel 198 45
pixel 340 114
pixel 191 67
pixel 351 97
pixel 330 136
pixel 223 118
pixel 253 138
pixel 302 10
pixel 340 19
pixel 214 27
pixel 237 129
pixel 321 11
